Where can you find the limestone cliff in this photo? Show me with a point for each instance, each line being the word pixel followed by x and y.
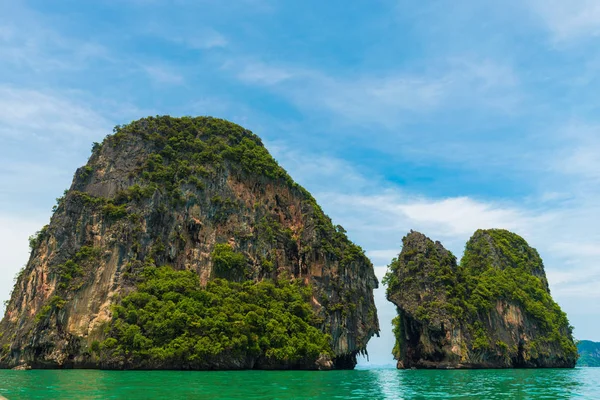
pixel 192 220
pixel 494 310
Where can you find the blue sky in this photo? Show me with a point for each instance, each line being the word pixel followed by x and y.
pixel 439 116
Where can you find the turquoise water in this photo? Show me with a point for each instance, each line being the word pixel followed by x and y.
pixel 360 384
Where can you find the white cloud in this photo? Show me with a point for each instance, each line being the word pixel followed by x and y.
pixel 463 216
pixel 388 99
pixel 28 42
pixel 208 39
pixel 262 74
pixel 383 100
pixel 585 249
pixel 568 20
pixel 578 150
pixel 191 37
pixel 582 291
pixel 48 117
pixel 582 160
pixel 165 75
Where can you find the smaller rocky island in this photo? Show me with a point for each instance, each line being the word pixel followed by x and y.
pixel 589 353
pixel 491 310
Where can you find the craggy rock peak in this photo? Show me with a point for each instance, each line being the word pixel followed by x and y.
pixel 183 245
pixel 494 310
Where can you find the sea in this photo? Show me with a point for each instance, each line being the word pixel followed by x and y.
pixel 374 383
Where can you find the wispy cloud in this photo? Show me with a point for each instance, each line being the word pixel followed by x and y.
pixel 263 74
pixel 390 98
pixel 28 41
pixel 162 74
pixel 192 37
pixel 461 216
pixel 569 20
pixel 578 151
pixel 207 39
pixel 48 116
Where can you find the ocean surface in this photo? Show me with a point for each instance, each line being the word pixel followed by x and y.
pixel 581 383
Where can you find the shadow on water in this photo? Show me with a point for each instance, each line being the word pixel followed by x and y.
pixel 360 384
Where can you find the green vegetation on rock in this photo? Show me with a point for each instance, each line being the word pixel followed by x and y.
pixel 498 269
pixel 228 263
pixel 204 196
pixel 499 265
pixel 55 303
pixel 189 150
pixel 76 267
pixel 171 321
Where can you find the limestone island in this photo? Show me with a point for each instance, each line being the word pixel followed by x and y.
pixel 182 244
pixel 493 310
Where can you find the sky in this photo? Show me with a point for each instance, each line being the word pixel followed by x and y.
pixel 443 116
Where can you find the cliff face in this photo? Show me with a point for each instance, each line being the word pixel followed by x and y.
pixel 191 220
pixel 494 310
pixel 589 353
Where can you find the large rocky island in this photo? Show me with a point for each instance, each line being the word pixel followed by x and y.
pixel 182 244
pixel 493 310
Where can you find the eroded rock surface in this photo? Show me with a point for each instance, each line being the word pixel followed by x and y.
pixel 493 310
pixel 167 192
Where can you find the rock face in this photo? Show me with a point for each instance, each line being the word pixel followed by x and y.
pixel 494 310
pixel 589 353
pixel 163 210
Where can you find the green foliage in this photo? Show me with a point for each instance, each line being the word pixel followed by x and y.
pixel 88 199
pixel 188 150
pixel 518 278
pixel 113 212
pixel 35 240
pixel 95 346
pixel 255 159
pixel 171 320
pixel 435 265
pixel 497 266
pixel 228 263
pixel 108 207
pixel 76 266
pixel 135 192
pixel 480 338
pixel 85 172
pixel 267 265
pixel 398 334
pixel 55 303
pixel 43 313
pixel 223 208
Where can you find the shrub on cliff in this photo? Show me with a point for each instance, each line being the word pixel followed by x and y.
pixel 170 320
